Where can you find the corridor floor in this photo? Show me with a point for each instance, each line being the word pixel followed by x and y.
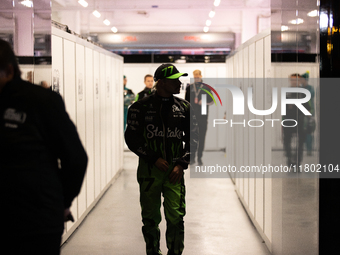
pixel 215 223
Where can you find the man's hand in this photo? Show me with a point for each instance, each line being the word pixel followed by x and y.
pixel 162 164
pixel 176 174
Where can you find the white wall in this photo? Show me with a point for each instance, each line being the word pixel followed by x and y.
pixel 87 76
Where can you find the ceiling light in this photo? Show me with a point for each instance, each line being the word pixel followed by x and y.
pixel 27 3
pixel 96 13
pixel 296 21
pixel 284 28
pixel 217 2
pixel 206 29
pixel 114 29
pixel 83 3
pixel 106 22
pixel 208 22
pixel 211 14
pixel 314 13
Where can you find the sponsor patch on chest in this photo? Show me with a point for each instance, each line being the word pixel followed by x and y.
pixel 12 117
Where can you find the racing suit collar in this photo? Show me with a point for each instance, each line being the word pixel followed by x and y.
pixel 164 99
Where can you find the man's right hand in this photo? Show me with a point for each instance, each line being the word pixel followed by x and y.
pixel 162 164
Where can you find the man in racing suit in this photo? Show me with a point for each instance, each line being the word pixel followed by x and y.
pixel 157 126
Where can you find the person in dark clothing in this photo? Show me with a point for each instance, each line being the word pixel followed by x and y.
pixel 310 120
pixel 157 127
pixel 194 94
pixel 147 91
pixel 42 162
pixel 294 154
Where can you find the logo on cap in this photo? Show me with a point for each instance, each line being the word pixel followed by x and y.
pixel 167 71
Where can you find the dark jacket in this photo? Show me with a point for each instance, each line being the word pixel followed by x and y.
pixel 42 160
pixel 144 93
pixel 193 91
pixel 152 117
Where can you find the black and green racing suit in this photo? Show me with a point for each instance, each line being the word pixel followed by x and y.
pixel 148 120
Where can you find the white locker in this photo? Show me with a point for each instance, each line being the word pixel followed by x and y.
pixel 103 118
pixel 241 118
pixel 89 98
pixel 108 99
pixel 81 122
pixel 246 129
pixel 121 106
pixel 252 147
pixel 259 135
pixel 85 77
pixel 267 143
pixel 118 111
pixel 70 100
pixel 114 119
pixel 97 124
pixel 57 65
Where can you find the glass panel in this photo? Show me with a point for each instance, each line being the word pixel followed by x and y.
pixel 295 51
pixel 26 25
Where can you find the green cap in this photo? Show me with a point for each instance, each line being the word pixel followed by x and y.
pixel 167 71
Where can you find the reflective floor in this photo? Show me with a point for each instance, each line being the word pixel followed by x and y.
pixel 215 224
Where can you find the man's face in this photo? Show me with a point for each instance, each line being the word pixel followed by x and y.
pixel 124 81
pixel 148 82
pixel 172 86
pixel 197 77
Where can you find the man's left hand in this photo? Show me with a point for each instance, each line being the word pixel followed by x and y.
pixel 176 174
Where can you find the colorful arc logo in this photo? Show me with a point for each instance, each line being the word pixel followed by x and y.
pixel 204 98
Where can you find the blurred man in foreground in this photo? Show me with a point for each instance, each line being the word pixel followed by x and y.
pixel 42 162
